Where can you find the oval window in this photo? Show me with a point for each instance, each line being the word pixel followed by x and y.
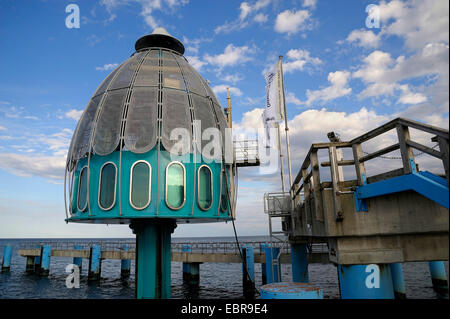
pixel 224 193
pixel 205 187
pixel 107 188
pixel 175 185
pixel 140 185
pixel 82 189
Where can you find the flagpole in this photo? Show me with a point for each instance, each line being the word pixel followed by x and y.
pixel 286 128
pixel 281 157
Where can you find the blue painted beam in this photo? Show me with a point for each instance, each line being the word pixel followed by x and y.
pixel 434 188
pixel 273 273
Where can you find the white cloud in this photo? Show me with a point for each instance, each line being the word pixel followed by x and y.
pixel 2 128
pixel 107 67
pixel 245 11
pixel 338 88
pixel 364 38
pixel 384 75
pixel 231 56
pixel 218 89
pixel 291 98
pixel 232 78
pixel 196 62
pixel 25 165
pixel 291 22
pixel 261 18
pixel 148 7
pixel 310 3
pixel 418 22
pixel 297 59
pixel 74 114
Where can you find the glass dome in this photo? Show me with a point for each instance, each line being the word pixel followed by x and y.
pixel 143 100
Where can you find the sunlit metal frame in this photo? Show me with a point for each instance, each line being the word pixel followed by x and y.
pixel 149 185
pixel 79 188
pixel 211 187
pixel 100 186
pixel 184 185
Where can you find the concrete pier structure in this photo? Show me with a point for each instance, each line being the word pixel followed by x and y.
pixel 6 259
pixel 373 219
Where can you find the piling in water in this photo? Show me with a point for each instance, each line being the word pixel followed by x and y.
pixel 299 261
pixel 95 263
pixel 46 253
pixel 248 271
pixel 125 264
pixel 398 281
pixel 6 260
pixel 438 276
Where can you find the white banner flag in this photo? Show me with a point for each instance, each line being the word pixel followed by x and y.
pixel 271 113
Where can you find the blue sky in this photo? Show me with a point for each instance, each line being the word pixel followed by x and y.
pixel 339 75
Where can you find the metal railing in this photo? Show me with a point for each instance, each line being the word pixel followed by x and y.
pixel 308 183
pixel 246 152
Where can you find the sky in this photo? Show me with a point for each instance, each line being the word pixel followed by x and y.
pixel 344 71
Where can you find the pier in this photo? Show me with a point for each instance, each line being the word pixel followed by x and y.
pixel 220 252
pixel 374 223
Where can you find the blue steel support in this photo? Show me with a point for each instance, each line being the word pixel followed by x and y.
pixel 153 257
pixel 191 271
pixel 125 264
pixel 263 266
pixel 95 263
pixel 46 253
pixel 37 261
pixel 299 261
pixel 6 261
pixel 438 276
pixel 248 271
pixel 78 261
pixel 398 281
pixel 431 186
pixel 273 273
pixel 365 281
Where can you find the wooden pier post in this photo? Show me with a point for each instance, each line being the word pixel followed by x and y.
pixel 95 263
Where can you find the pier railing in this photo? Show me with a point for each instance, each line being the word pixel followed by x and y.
pixel 197 247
